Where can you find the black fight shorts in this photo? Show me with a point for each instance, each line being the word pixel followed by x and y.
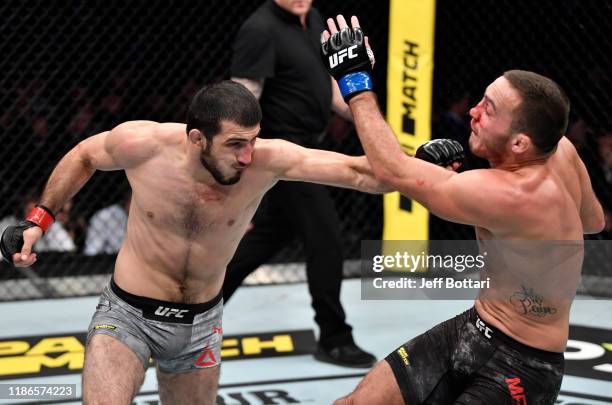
pixel 465 361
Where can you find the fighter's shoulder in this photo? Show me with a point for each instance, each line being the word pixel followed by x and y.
pixel 169 132
pixel 276 145
pixel 500 186
pixel 132 129
pixel 266 149
pixel 141 140
pixel 151 132
pixel 566 149
pixel 566 144
pixel 490 177
pixel 276 154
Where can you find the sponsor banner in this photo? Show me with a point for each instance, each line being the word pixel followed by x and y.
pixel 45 355
pixel 588 354
pixel 409 95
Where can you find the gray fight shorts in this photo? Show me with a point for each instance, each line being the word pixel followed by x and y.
pixel 180 337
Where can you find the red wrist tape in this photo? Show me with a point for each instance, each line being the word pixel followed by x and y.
pixel 42 217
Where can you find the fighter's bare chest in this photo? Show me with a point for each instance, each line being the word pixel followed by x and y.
pixel 200 209
pixel 190 209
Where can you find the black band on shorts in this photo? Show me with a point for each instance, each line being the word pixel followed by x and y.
pixel 164 311
pixel 497 337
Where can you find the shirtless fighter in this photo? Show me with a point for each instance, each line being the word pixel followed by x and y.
pixel 195 188
pixel 497 352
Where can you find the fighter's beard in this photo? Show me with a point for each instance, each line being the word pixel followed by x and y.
pixel 216 173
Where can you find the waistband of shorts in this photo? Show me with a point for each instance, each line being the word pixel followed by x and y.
pixel 498 337
pixel 145 303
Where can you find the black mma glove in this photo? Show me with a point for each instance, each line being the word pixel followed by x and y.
pixel 349 61
pixel 442 152
pixel 11 241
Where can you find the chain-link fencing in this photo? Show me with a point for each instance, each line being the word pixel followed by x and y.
pixel 71 69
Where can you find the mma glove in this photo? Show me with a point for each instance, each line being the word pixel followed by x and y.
pixel 442 152
pixel 11 241
pixel 349 61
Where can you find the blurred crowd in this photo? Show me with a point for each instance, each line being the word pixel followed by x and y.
pixel 37 128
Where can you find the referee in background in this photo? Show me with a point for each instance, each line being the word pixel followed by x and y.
pixel 276 56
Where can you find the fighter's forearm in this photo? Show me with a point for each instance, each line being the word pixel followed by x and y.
pixel 70 174
pixel 339 106
pixel 412 177
pixel 365 179
pixel 380 144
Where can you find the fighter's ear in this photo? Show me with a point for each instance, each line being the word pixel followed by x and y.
pixel 521 143
pixel 197 137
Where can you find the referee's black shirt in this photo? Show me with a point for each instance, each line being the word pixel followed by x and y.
pixel 296 98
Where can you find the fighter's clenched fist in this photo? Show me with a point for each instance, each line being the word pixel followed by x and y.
pixel 17 241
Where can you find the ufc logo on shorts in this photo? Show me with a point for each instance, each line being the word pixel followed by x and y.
pixel 338 57
pixel 483 328
pixel 165 311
